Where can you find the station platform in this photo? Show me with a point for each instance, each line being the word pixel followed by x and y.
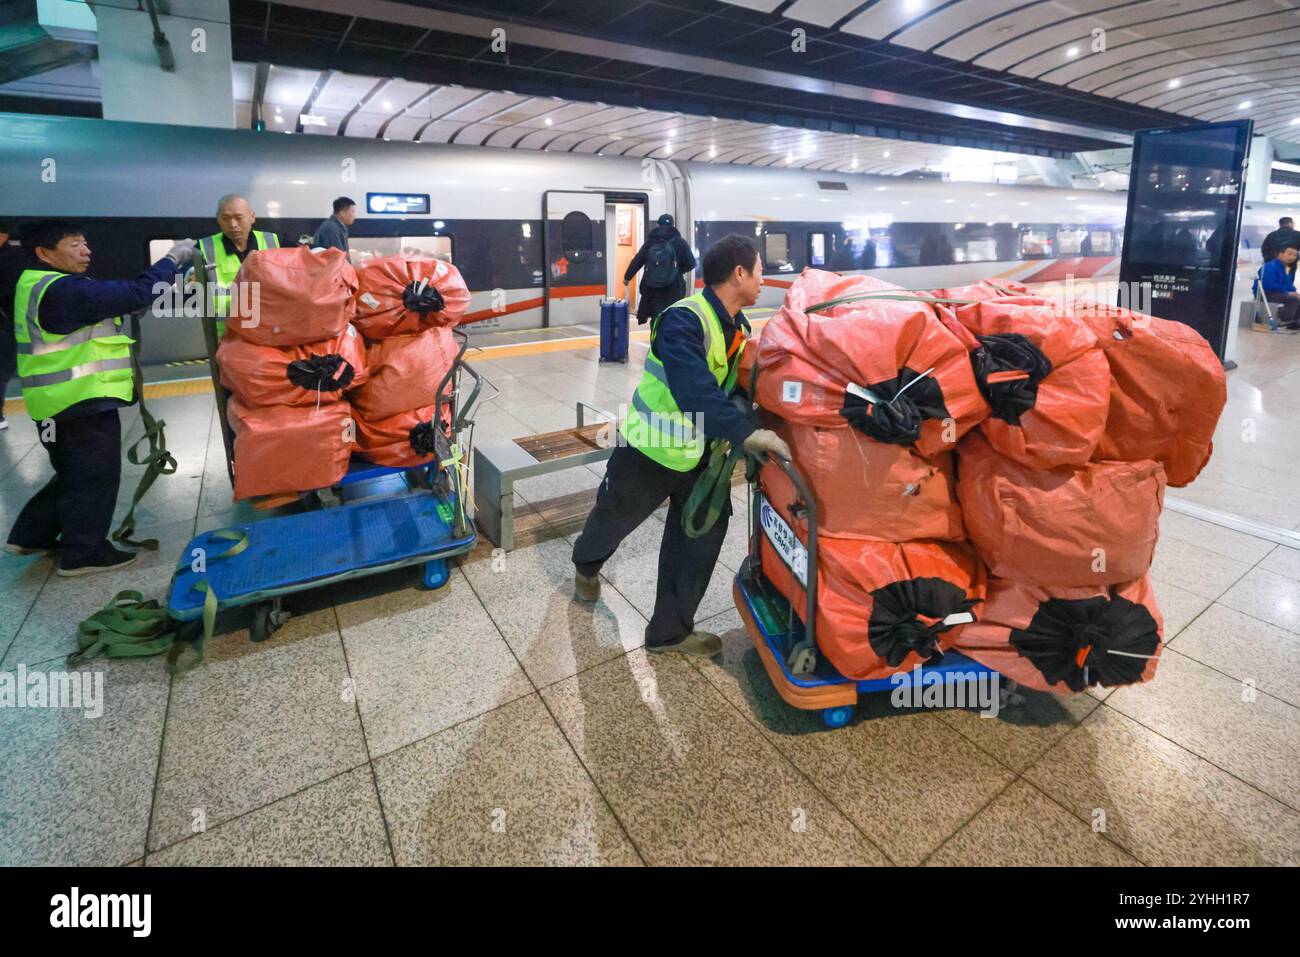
pixel 495 721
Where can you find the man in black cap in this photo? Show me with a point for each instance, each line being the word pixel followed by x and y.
pixel 667 259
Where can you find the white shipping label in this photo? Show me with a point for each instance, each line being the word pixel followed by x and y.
pixel 791 391
pixel 854 389
pixel 787 545
pixel 369 300
pixel 959 618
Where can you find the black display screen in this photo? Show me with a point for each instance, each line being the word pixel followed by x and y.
pixel 1184 215
pixel 410 204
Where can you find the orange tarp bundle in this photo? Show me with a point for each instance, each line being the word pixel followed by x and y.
pixel 403 296
pixel 289 448
pixel 865 489
pixel 884 607
pixel 1067 639
pixel 292 296
pixel 294 375
pixel 404 439
pixel 982 290
pixel 888 368
pixel 1069 526
pixel 1167 392
pixel 1045 377
pixel 405 373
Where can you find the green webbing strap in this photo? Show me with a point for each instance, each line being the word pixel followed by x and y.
pixel 131 627
pixel 157 462
pixel 712 490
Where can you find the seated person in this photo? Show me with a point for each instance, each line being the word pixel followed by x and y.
pixel 1279 287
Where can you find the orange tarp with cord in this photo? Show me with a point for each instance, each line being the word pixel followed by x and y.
pixel 1067 639
pixel 289 448
pixel 1069 526
pixel 400 440
pixel 299 296
pixel 888 368
pixel 404 373
pixel 402 296
pixel 1045 377
pixel 884 607
pixel 866 489
pixel 1167 392
pixel 294 375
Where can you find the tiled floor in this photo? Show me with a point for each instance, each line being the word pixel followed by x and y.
pixel 495 721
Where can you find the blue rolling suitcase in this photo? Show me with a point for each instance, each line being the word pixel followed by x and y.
pixel 613 330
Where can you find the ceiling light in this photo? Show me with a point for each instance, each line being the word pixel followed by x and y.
pixel 913 5
pixel 388 104
pixel 713 151
pixel 1073 51
pixel 307 119
pixel 885 154
pixel 279 118
pixel 1175 84
pixel 549 121
pixel 1244 105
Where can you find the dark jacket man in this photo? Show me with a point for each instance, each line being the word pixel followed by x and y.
pixel 333 232
pixel 651 302
pixel 1281 238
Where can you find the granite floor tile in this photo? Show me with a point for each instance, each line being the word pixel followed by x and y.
pixel 1022 828
pixel 503 789
pixel 1245 731
pixel 1178 606
pixel 254 723
pixel 1024 727
pixel 691 779
pixel 1283 561
pixel 1193 568
pixel 529 594
pixel 422 661
pixel 1225 541
pixel 75 789
pixel 1245 648
pixel 1268 596
pixel 1162 803
pixel 336 823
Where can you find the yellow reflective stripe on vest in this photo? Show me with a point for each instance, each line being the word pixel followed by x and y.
pixel 43 346
pixel 76 372
pixel 675 425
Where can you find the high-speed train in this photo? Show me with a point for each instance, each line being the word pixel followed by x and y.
pixel 541 237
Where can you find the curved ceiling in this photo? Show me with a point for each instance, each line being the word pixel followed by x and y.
pixel 1205 59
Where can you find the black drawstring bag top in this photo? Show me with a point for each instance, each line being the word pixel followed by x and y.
pixel 892 411
pixel 1089 641
pixel 327 373
pixel 422 297
pixel 894 629
pixel 1008 368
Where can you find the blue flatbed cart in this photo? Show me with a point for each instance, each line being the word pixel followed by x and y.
pixel 375 519
pixel 786 641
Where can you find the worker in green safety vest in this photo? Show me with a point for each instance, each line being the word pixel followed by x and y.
pixel 225 252
pixel 684 402
pixel 74 360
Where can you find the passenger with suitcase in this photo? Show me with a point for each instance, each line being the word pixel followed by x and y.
pixel 666 259
pixel 682 403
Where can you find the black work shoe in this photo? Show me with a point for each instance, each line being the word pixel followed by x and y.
pixel 586 587
pixel 106 559
pixel 700 643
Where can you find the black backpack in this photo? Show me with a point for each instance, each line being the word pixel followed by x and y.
pixel 660 265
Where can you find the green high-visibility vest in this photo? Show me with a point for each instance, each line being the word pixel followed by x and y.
pixel 655 425
pixel 93 362
pixel 224 266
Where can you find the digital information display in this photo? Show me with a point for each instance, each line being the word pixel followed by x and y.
pixel 406 203
pixel 1184 217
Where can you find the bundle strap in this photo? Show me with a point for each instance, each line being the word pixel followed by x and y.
pixel 901 296
pixel 157 461
pixel 712 490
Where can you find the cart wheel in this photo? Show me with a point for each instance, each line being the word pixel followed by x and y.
pixel 803 660
pixel 267 620
pixel 436 574
pixel 837 717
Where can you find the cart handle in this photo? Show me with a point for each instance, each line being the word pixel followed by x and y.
pixel 463 413
pixel 810 507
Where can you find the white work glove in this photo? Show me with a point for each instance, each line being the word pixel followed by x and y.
pixel 765 440
pixel 182 252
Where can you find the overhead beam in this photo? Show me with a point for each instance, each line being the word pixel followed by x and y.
pixel 552 39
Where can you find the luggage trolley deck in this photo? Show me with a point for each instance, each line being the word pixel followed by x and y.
pixel 787 645
pixel 377 518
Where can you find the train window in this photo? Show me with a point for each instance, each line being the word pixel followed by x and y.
pixel 1101 242
pixel 1035 242
pixel 362 249
pixel 978 250
pixel 776 252
pixel 1069 241
pixel 817 243
pixel 575 235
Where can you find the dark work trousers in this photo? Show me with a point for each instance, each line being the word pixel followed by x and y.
pixel 76 507
pixel 1289 311
pixel 633 488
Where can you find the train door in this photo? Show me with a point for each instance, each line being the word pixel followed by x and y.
pixel 579 240
pixel 622 242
